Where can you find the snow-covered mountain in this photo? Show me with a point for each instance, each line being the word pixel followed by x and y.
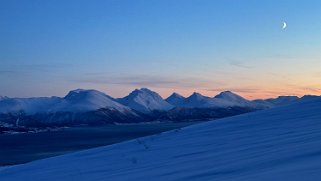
pixel 279 101
pixel 222 100
pixel 142 100
pixel 145 100
pixel 142 105
pixel 275 144
pixel 81 100
pixel 196 100
pixel 233 98
pixel 77 107
pixel 175 99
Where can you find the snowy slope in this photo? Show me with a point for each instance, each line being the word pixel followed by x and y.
pixel 278 144
pixel 81 100
pixel 145 100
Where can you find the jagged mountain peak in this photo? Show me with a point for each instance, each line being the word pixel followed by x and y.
pixel 228 95
pixel 176 99
pixel 175 95
pixel 145 100
pixel 197 95
pixel 144 92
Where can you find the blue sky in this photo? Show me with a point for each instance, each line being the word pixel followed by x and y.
pixel 50 47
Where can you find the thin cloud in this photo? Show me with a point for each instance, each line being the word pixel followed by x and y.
pixel 145 81
pixel 45 67
pixel 240 64
pixel 237 90
pixel 255 92
pixel 30 68
pixel 317 74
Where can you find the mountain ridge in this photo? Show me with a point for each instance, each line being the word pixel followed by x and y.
pixel 83 106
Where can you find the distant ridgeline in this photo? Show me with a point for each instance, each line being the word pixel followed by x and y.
pixel 91 107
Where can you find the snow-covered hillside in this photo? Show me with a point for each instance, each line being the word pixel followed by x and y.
pixel 28 105
pixel 145 100
pixel 175 99
pixel 234 99
pixel 282 143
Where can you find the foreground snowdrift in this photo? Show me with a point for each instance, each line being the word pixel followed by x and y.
pixel 283 143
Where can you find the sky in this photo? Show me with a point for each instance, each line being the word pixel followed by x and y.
pixel 51 47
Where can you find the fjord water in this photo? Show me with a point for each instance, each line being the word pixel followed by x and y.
pixel 22 148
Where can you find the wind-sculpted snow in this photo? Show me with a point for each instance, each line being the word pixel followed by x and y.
pixel 277 144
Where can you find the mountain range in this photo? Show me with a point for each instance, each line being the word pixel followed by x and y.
pixel 141 105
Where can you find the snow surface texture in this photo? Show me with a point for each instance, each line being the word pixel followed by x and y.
pixel 282 143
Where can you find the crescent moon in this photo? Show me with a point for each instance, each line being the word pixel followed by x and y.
pixel 284 25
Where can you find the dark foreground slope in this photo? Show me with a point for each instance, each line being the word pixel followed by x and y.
pixel 283 143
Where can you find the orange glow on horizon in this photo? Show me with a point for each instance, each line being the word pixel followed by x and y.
pixel 249 94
